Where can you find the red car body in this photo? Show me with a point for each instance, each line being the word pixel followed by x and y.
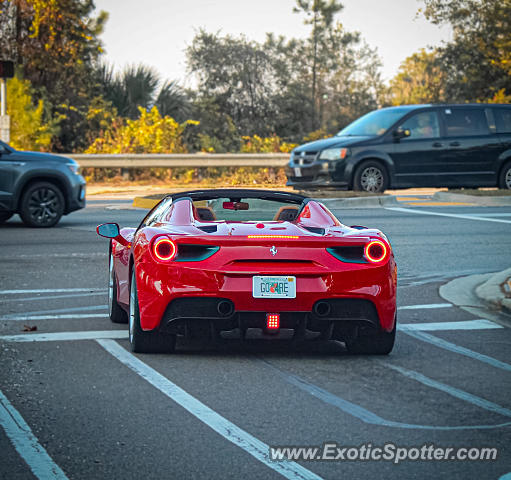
pixel 206 285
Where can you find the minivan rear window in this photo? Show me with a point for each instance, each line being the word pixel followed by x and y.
pixel 502 119
pixel 464 122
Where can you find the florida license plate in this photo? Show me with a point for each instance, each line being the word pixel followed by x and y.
pixel 273 287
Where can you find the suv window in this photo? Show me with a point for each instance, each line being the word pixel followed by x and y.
pixel 422 125
pixel 3 148
pixel 503 119
pixel 464 122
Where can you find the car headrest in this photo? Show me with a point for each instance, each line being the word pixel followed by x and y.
pixel 206 214
pixel 286 214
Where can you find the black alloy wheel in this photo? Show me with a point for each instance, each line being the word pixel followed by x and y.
pixel 42 205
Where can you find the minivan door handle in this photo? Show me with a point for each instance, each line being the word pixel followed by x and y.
pixel 437 144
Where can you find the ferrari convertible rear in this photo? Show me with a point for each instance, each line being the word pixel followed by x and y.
pixel 251 265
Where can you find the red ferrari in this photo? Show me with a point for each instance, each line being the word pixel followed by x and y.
pixel 251 264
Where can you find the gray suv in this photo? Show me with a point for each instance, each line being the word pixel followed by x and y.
pixel 40 187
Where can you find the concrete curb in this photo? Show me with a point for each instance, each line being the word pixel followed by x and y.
pixel 492 291
pixel 461 292
pixel 332 203
pixel 359 202
pixel 502 201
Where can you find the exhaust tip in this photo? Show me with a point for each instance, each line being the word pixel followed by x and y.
pixel 322 309
pixel 225 308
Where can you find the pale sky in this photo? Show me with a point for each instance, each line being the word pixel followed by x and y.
pixel 156 32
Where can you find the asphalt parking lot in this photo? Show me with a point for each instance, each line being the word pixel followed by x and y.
pixel 75 403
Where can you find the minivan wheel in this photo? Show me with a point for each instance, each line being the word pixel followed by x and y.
pixel 42 205
pixel 505 177
pixel 4 216
pixel 371 177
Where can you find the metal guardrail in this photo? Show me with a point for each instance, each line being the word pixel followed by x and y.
pixel 194 160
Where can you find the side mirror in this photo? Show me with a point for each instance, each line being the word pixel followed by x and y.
pixel 108 230
pixel 401 133
pixel 111 230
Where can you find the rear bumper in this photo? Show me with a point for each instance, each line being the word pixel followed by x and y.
pixel 316 175
pixel 76 199
pixel 216 318
pixel 357 293
pixel 323 181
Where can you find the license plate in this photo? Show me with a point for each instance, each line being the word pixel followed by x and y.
pixel 274 287
pixel 298 172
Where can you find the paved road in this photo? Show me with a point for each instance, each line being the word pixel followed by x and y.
pixel 90 409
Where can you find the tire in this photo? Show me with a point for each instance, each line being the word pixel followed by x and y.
pixel 115 312
pixel 42 205
pixel 371 176
pixel 381 343
pixel 505 177
pixel 140 340
pixel 4 216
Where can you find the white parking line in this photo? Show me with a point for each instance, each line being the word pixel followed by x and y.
pixel 357 411
pixel 481 324
pixel 33 318
pixel 455 392
pixel 26 443
pixel 52 290
pixel 62 336
pixel 452 347
pixel 409 328
pixel 58 310
pixel 54 297
pixel 491 214
pixel 453 215
pixel 231 432
pixel 55 255
pixel 425 306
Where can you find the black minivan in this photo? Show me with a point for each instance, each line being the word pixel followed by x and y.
pixel 411 146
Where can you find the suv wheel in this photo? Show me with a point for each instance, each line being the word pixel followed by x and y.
pixel 4 216
pixel 505 177
pixel 371 177
pixel 42 205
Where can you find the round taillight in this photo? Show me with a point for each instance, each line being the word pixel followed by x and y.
pixel 375 251
pixel 164 249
